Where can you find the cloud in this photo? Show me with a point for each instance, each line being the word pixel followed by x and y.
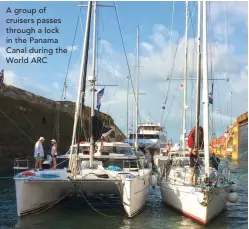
pixel 56 85
pixel 157 64
pixel 159 59
pixel 227 16
pixel 10 77
pixel 72 48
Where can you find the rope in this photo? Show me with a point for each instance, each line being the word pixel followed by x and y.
pixel 51 204
pixel 16 125
pixel 93 207
pixel 30 124
pixel 110 205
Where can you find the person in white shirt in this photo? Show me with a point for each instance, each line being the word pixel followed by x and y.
pixel 54 152
pixel 39 153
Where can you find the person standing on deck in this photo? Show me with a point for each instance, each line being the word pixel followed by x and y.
pixel 194 167
pixel 194 158
pixel 54 152
pixel 39 153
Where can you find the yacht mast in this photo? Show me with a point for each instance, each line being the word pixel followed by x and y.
pixel 82 78
pixel 185 83
pixel 92 81
pixel 205 90
pixel 137 89
pixel 198 77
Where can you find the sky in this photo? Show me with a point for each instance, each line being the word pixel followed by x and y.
pixel 162 46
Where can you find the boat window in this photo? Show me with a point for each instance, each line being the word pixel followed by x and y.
pixel 144 136
pixel 117 150
pixel 148 136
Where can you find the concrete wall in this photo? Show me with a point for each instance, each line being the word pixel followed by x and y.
pixel 24 117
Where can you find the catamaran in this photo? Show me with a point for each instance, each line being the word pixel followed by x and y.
pixel 112 168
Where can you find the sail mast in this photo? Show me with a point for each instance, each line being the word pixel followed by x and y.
pixel 92 81
pixel 198 77
pixel 82 78
pixel 205 90
pixel 185 83
pixel 137 89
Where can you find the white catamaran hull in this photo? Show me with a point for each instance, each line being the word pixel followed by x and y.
pixel 35 195
pixel 188 201
pixel 135 193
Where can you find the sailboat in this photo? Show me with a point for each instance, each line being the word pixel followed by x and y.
pixel 209 197
pixel 115 171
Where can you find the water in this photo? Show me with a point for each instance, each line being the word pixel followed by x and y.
pixel 75 213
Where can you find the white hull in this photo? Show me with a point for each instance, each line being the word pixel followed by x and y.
pixel 135 193
pixel 34 194
pixel 187 200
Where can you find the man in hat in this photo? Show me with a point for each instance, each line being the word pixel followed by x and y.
pixel 39 153
pixel 54 152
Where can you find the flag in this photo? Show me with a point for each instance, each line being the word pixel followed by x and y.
pixel 210 95
pixel 99 98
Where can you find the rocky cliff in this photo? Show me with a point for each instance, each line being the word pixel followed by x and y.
pixel 24 117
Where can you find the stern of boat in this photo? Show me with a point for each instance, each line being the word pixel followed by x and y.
pixel 134 192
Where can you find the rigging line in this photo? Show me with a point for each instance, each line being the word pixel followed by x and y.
pixel 215 43
pixel 176 90
pixel 177 48
pixel 172 68
pixel 194 59
pixel 15 124
pixel 225 65
pixel 30 124
pixel 65 81
pixel 109 53
pixel 171 29
pixel 220 107
pixel 69 61
pixel 101 57
pixel 126 58
pixel 209 56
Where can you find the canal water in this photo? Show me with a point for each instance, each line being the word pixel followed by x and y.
pixel 75 213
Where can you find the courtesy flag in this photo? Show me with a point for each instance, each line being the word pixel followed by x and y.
pixel 99 98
